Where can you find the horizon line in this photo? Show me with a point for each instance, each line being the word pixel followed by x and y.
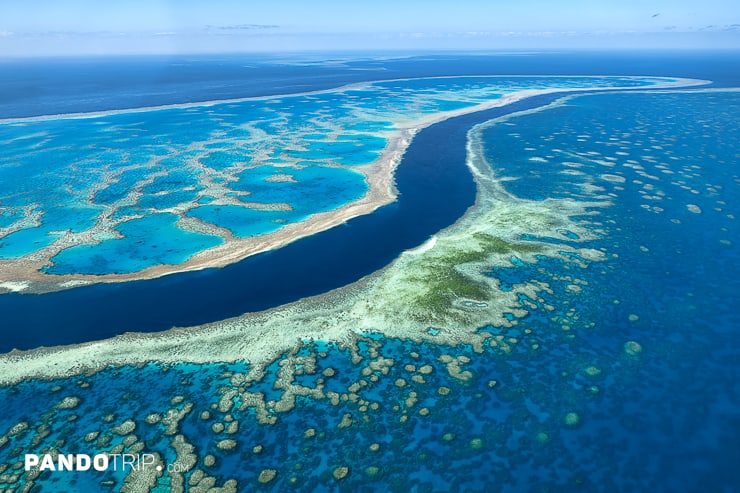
pixel 384 51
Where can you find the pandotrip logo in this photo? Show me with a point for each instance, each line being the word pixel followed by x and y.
pixel 99 462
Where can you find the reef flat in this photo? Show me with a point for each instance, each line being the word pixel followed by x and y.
pixel 137 194
pixel 564 333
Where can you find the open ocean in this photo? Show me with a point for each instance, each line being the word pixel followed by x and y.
pixel 625 375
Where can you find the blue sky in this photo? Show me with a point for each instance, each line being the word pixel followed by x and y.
pixel 72 27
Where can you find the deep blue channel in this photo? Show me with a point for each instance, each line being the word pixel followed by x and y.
pixel 436 188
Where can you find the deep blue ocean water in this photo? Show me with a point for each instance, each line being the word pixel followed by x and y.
pixel 667 419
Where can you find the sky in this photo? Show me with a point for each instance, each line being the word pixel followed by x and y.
pixel 99 27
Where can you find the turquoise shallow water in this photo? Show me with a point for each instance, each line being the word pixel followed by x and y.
pixel 661 419
pixel 135 251
pixel 308 190
pixel 240 222
pixel 24 242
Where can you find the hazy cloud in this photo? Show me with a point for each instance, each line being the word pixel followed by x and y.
pixel 725 28
pixel 244 27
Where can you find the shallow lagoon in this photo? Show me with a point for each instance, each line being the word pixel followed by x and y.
pixel 134 250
